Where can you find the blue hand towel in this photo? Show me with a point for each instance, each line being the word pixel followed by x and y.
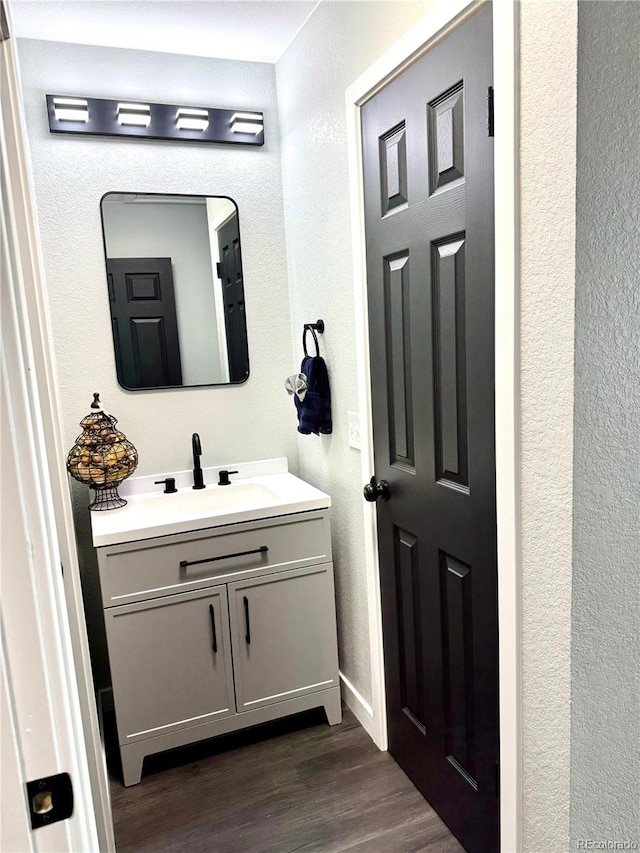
pixel 314 412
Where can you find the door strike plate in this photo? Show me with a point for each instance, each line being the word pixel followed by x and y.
pixel 50 799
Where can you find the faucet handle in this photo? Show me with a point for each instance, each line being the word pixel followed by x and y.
pixel 224 477
pixel 169 485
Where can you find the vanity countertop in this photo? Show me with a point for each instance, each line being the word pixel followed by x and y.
pixel 259 490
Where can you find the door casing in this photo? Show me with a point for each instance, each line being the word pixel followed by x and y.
pixel 47 695
pixel 428 32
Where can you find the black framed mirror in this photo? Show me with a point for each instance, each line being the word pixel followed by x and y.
pixel 176 290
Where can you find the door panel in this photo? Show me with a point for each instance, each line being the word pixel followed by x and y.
pixel 170 663
pixel 284 641
pixel 399 375
pixel 449 354
pixel 428 179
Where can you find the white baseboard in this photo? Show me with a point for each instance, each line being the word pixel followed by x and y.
pixel 358 706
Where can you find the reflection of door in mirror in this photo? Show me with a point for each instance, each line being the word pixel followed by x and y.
pixel 176 290
pixel 144 322
pixel 233 295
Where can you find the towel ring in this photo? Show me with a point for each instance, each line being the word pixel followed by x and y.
pixel 315 340
pixel 311 327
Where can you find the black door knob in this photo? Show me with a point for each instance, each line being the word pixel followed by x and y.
pixel 376 489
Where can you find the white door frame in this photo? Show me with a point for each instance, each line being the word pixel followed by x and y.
pixel 41 724
pixel 447 15
pixel 28 290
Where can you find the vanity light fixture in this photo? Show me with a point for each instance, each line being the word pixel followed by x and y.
pixel 138 115
pixel 176 122
pixel 247 123
pixel 190 118
pixel 71 109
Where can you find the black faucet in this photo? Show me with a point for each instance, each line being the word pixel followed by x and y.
pixel 198 482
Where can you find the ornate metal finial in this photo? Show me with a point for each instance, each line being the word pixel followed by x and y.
pixel 96 401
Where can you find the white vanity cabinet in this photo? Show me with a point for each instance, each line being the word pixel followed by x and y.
pixel 217 630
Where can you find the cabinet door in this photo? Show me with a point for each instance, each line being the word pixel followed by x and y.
pixel 170 663
pixel 284 636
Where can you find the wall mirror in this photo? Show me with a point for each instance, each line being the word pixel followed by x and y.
pixel 175 285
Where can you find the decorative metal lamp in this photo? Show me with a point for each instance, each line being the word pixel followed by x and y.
pixel 102 457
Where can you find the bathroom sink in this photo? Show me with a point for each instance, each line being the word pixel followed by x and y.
pixel 214 499
pixel 259 490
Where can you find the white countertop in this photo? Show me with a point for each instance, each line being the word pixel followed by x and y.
pixel 259 490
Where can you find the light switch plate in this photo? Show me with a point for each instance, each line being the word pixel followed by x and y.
pixel 353 421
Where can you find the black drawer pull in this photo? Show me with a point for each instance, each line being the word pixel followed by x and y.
pixel 261 550
pixel 247 636
pixel 212 616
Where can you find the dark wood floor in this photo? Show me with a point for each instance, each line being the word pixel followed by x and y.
pixel 296 785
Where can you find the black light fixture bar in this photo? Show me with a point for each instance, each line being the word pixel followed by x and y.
pixel 156 121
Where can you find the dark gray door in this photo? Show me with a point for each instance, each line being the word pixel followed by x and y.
pixel 233 295
pixel 144 322
pixel 428 175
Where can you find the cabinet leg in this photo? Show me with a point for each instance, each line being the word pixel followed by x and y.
pixel 333 707
pixel 132 759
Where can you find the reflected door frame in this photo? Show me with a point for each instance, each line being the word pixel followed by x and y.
pixel 428 32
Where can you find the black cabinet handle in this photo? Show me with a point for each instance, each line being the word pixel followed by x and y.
pixel 261 550
pixel 212 616
pixel 247 636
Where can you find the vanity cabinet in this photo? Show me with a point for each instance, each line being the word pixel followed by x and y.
pixel 217 630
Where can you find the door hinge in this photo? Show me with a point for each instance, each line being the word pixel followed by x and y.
pixel 490 111
pixel 50 799
pixel 219 271
pixel 497 780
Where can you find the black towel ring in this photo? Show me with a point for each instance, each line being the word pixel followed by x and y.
pixel 312 327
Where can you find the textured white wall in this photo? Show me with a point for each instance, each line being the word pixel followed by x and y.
pixel 72 174
pixel 605 769
pixel 548 35
pixel 338 43
pixel 254 420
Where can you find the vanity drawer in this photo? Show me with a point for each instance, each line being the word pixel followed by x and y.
pixel 189 561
